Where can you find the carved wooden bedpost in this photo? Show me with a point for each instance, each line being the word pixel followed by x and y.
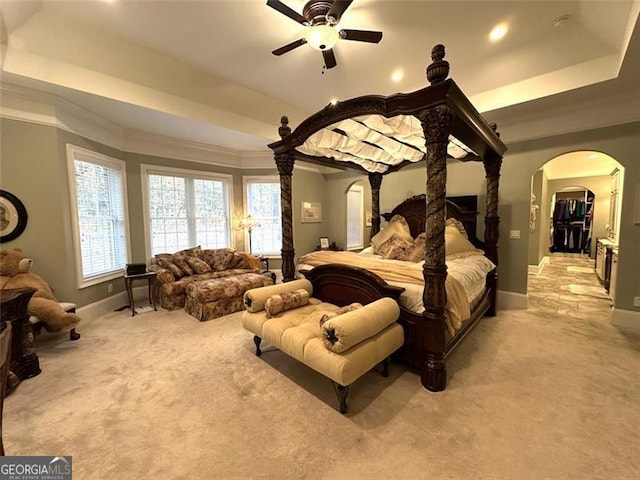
pixel 375 180
pixel 492 221
pixel 436 124
pixel 285 162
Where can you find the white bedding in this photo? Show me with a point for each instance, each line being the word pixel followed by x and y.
pixel 471 272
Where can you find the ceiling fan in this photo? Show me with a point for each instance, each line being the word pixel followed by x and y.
pixel 321 17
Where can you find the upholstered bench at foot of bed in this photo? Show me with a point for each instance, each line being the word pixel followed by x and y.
pixel 343 349
pixel 216 297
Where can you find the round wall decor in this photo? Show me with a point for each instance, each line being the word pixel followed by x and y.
pixel 13 216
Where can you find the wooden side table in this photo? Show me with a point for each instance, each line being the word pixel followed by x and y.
pixel 265 271
pixel 128 282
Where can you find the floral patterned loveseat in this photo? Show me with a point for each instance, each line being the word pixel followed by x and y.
pixel 177 270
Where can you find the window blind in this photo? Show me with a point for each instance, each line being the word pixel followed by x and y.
pixel 101 220
pixel 355 207
pixel 263 204
pixel 187 210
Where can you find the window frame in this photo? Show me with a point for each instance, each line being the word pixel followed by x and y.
pixel 246 180
pixel 148 169
pixel 359 187
pixel 74 152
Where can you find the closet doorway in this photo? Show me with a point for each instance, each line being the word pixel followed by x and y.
pixel 572 220
pixel 574 217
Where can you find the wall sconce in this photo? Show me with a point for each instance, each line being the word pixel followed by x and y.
pixel 248 223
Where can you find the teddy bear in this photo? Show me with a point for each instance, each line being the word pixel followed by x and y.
pixel 15 272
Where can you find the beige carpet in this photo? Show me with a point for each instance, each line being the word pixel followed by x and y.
pixel 162 396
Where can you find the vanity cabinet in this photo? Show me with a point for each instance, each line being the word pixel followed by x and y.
pixel 613 274
pixel 604 260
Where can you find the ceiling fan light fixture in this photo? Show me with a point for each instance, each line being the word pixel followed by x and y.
pixel 322 37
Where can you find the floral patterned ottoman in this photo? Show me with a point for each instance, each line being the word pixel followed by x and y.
pixel 213 298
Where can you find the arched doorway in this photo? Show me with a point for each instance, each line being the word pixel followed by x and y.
pixel 575 200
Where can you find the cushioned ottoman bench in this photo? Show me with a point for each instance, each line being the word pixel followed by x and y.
pixel 215 297
pixel 341 343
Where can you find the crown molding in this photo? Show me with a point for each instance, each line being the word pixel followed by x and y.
pixel 43 108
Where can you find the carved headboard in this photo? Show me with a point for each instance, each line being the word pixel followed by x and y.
pixel 413 211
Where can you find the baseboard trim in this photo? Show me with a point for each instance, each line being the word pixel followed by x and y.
pixel 537 269
pixel 512 300
pixel 100 308
pixel 625 319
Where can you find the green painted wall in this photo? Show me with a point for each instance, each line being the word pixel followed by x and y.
pixel 33 167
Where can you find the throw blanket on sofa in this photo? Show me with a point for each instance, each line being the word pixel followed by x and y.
pixel 458 308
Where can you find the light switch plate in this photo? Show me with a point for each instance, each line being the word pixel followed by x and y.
pixel 636 301
pixel 514 233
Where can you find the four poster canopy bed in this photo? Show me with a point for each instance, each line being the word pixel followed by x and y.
pixel 379 135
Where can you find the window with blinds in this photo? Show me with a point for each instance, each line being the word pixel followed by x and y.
pixel 99 209
pixel 186 208
pixel 262 201
pixel 355 217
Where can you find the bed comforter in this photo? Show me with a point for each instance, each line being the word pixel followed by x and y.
pixel 464 284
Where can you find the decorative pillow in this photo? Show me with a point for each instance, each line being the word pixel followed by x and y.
pixel 191 252
pixel 219 258
pixel 458 224
pixel 181 263
pixel 198 265
pixel 166 262
pixel 245 260
pixel 397 225
pixel 456 246
pixel 347 308
pixel 417 254
pixel 327 316
pixel 396 248
pixel 286 301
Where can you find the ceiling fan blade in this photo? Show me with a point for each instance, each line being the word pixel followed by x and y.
pixel 338 8
pixel 288 11
pixel 289 46
pixel 329 58
pixel 361 35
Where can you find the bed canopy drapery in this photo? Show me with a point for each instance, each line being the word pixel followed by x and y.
pixel 378 135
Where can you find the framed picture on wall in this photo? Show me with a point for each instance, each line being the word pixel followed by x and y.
pixel 13 216
pixel 311 212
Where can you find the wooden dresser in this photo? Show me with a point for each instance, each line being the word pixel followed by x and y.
pixel 13 310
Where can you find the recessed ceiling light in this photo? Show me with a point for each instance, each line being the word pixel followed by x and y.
pixel 498 32
pixel 397 75
pixel 333 101
pixel 593 156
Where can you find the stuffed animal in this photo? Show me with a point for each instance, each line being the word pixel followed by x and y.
pixel 15 272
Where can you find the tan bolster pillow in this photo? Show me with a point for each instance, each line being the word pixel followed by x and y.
pixel 282 302
pixel 349 329
pixel 255 299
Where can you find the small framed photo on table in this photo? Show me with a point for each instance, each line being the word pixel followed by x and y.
pixel 324 243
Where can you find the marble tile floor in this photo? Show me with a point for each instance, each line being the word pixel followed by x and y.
pixel 549 291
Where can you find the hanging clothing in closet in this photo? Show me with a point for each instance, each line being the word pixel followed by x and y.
pixel 568 225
